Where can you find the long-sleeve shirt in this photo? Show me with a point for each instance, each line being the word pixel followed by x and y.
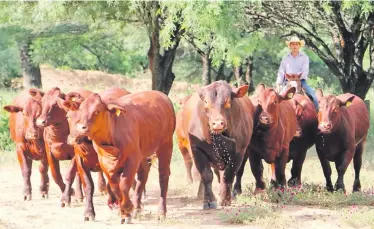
pixel 293 65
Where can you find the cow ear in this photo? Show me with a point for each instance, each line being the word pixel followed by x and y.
pixel 347 102
pixel 116 109
pixel 35 92
pixel 13 109
pixel 319 94
pixel 288 94
pixel 70 105
pixel 61 104
pixel 260 88
pixel 239 92
pixel 73 97
pixel 199 91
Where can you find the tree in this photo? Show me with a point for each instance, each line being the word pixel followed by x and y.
pixel 339 32
pixel 20 20
pixel 164 31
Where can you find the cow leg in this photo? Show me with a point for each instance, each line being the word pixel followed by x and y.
pixel 238 183
pixel 326 171
pixel 297 165
pixel 101 183
pixel 26 167
pixel 187 162
pixel 280 167
pixel 206 174
pixel 257 170
pixel 142 178
pixel 341 165
pixel 227 178
pixel 70 175
pixel 357 162
pixel 131 166
pixel 273 180
pixel 55 170
pixel 112 199
pixel 78 188
pixel 85 174
pixel 44 184
pixel 164 154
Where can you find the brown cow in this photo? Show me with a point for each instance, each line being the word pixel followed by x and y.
pixel 276 127
pixel 343 124
pixel 56 129
pixel 126 131
pixel 85 154
pixel 182 138
pixel 305 135
pixel 217 128
pixel 185 149
pixel 28 138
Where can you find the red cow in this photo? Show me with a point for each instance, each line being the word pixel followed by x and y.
pixel 275 122
pixel 124 132
pixel 28 138
pixel 216 129
pixel 343 124
pixel 56 129
pixel 85 154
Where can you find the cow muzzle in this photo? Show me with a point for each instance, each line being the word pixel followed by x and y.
pixel 325 127
pixel 217 126
pixel 264 119
pixel 41 122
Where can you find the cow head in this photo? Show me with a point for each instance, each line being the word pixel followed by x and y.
pixel 53 111
pixel 30 112
pixel 329 111
pixel 299 108
pixel 72 103
pixel 269 100
pixel 90 112
pixel 217 98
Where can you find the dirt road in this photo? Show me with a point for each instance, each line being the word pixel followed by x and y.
pixel 184 211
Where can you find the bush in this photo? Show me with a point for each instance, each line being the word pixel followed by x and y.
pixel 6 144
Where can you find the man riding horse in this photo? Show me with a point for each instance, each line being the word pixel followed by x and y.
pixel 295 67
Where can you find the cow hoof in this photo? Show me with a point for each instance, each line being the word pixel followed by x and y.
pixel 89 218
pixel 236 193
pixel 79 200
pixel 27 197
pixel 103 193
pixel 161 218
pixel 224 203
pixel 210 205
pixel 45 196
pixel 126 220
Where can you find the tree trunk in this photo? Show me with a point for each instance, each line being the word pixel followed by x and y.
pixel 237 75
pixel 161 66
pixel 248 74
pixel 30 71
pixel 221 72
pixel 207 69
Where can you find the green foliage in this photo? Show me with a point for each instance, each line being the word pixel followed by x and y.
pixel 111 50
pixel 6 144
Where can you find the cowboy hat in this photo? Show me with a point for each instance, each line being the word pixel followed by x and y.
pixel 296 40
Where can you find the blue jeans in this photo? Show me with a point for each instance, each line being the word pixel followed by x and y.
pixel 310 92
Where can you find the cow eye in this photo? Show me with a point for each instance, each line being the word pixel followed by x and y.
pixel 97 112
pixel 275 102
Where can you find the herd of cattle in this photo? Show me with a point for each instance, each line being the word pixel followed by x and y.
pixel 116 132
